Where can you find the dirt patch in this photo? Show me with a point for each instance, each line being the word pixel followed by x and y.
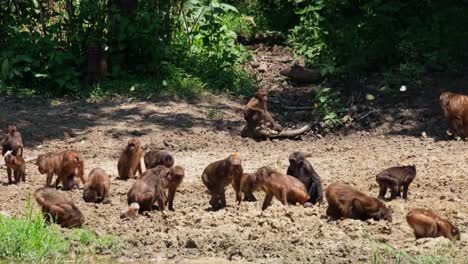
pixel 280 234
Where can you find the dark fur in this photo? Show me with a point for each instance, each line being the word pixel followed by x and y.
pixel 154 158
pixel 301 169
pixel 395 178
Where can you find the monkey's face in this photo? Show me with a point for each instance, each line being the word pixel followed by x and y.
pixel 41 165
pixel 296 159
pixel 385 213
pixel 235 164
pixel 168 161
pixel 90 195
pixel 9 158
pixel 176 174
pixel 11 128
pixel 133 144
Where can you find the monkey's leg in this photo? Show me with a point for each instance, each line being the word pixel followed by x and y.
pixel 389 181
pixel 17 176
pixel 453 124
pixel 146 201
pixel 23 175
pixel 405 190
pixel 267 201
pixel 382 191
pixel 9 175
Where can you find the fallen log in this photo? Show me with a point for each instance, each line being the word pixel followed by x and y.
pixel 262 134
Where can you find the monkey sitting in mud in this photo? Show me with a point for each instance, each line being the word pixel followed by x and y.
pixel 57 208
pixel 130 160
pixel 96 188
pixel 287 189
pixel 346 202
pixel 220 174
pixel 426 223
pixel 301 169
pixel 395 178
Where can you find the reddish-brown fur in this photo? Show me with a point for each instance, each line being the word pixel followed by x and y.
pixel 96 188
pixel 346 202
pixel 248 186
pixel 455 110
pixel 395 178
pixel 285 188
pixel 129 161
pixel 66 164
pixel 220 174
pixel 426 223
pixel 17 165
pixel 154 158
pixel 56 207
pixel 12 141
pixel 256 113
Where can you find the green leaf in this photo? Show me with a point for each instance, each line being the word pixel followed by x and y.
pixel 5 69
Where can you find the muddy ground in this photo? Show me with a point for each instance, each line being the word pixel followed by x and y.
pixel 204 131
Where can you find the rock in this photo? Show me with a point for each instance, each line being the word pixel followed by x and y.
pixel 254 64
pixel 301 74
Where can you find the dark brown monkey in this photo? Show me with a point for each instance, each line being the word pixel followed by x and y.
pixel 16 165
pixel 130 160
pixel 56 208
pixel 302 170
pixel 455 110
pixel 346 202
pixel 249 184
pixel 145 191
pixel 174 179
pixel 285 188
pixel 12 141
pixel 220 174
pixel 96 188
pixel 67 165
pixel 256 113
pixel 154 158
pixel 426 223
pixel 395 178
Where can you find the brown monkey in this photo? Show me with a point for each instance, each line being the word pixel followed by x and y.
pixel 129 161
pixel 12 141
pixel 426 223
pixel 455 110
pixel 56 208
pixel 395 178
pixel 96 188
pixel 301 169
pixel 220 174
pixel 256 113
pixel 174 179
pixel 150 189
pixel 66 164
pixel 249 184
pixel 154 158
pixel 131 211
pixel 285 188
pixel 346 202
pixel 17 165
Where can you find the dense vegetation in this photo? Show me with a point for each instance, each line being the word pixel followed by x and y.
pixel 31 239
pixel 187 47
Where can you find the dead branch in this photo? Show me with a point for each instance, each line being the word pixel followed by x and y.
pixel 262 134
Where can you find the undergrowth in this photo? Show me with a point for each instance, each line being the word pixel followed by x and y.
pixel 31 239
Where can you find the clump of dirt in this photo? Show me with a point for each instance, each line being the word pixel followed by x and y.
pixel 280 234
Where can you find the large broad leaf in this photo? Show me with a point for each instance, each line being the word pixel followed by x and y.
pixel 227 7
pixel 5 69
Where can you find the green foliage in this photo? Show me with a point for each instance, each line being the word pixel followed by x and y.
pixel 445 253
pixel 31 239
pixel 401 38
pixel 329 107
pixel 48 46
